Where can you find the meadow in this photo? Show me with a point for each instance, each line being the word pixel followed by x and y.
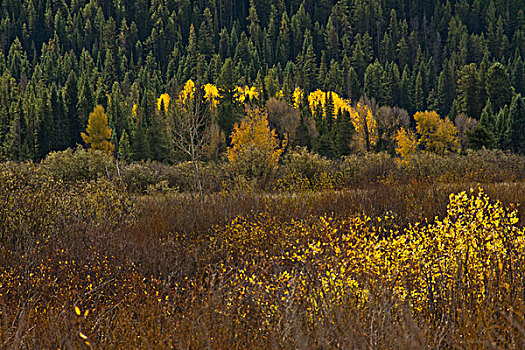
pixel 363 253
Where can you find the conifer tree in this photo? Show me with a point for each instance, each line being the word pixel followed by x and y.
pixel 343 131
pixel 98 133
pixel 470 92
pixel 498 86
pixel 517 124
pixel 70 97
pixel 124 148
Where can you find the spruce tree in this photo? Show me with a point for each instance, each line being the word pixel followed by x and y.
pixel 517 122
pixel 498 86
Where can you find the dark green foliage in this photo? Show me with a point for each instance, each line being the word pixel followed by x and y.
pixel 470 90
pixel 124 149
pixel 499 90
pixel 374 86
pixel 59 59
pixel 70 97
pixel 516 129
pixel 480 138
pixel 343 131
pixel 446 90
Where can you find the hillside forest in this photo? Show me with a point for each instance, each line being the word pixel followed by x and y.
pixel 336 77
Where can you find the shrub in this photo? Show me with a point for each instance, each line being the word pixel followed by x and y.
pixel 425 165
pixel 138 176
pixel 304 170
pixel 79 164
pixel 359 170
pixel 34 206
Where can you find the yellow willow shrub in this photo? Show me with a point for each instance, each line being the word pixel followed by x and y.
pixel 27 204
pixel 99 204
pixel 469 262
pixel 290 264
pixel 87 301
pixel 79 164
pixel 303 170
pixel 469 258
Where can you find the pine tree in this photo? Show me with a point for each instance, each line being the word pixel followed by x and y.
pixel 308 68
pixel 503 128
pixel 332 40
pixel 343 131
pixel 70 97
pixel 470 92
pixel 283 41
pixel 517 122
pixel 518 75
pixel 498 86
pixel 86 100
pixel 487 123
pixel 407 91
pixel 373 82
pixel 45 127
pixel 140 144
pixel 419 95
pixel 124 148
pixel 445 91
pixel 334 78
pixel 61 132
pixel 207 35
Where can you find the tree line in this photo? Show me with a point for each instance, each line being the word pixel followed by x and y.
pixel 60 59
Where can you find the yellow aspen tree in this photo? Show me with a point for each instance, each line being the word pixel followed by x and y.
pixel 246 94
pixel 98 133
pixel 406 142
pixel 163 100
pixel 211 94
pixel 320 98
pixel 187 93
pixel 365 125
pixel 297 97
pixel 435 134
pixel 255 148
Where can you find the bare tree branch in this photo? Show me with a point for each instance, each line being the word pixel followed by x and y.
pixel 190 124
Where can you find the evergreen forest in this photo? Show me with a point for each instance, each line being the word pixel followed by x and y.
pixel 60 59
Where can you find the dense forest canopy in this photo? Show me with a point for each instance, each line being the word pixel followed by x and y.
pixel 60 59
